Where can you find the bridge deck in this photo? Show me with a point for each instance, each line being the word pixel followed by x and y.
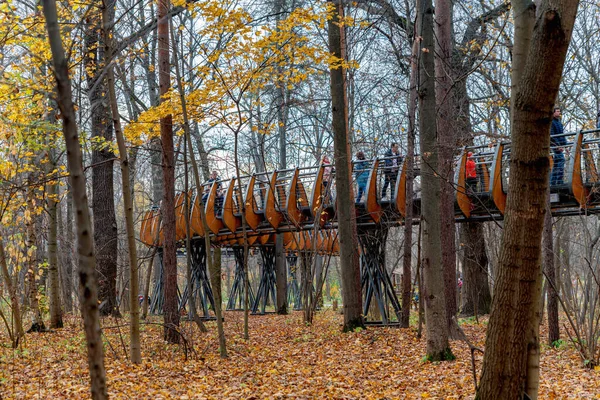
pixel 301 201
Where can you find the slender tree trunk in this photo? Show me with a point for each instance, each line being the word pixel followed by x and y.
pixel 409 161
pixel 549 270
pixel 343 178
pixel 438 346
pixel 32 265
pixel 87 261
pixel 512 343
pixel 67 248
pixel 55 310
pixel 134 308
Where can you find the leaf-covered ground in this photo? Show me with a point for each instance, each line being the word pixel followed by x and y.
pixel 282 359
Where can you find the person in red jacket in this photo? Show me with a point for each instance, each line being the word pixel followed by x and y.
pixel 471 173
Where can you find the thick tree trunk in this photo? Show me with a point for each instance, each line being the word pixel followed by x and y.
pixel 87 261
pixel 343 179
pixel 103 206
pixel 512 345
pixel 438 346
pixel 446 130
pixel 134 307
pixel 171 314
pixel 476 296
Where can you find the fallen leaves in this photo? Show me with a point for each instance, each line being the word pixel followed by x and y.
pixel 283 359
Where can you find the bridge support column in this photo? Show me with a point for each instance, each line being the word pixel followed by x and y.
pixel 267 284
pixel 200 284
pixel 237 294
pixel 375 280
pixel 294 294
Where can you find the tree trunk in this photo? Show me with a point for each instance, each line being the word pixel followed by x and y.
pixel 87 261
pixel 409 160
pixel 438 346
pixel 167 208
pixel 343 178
pixel 549 270
pixel 55 310
pixel 447 145
pixel 108 16
pixel 67 242
pixel 32 264
pixel 18 332
pixel 512 345
pixel 476 296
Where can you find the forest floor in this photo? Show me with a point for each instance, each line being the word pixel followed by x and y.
pixel 283 359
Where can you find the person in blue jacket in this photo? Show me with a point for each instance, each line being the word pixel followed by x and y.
pixel 557 144
pixel 361 173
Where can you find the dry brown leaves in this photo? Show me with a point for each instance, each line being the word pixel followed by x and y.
pixel 282 359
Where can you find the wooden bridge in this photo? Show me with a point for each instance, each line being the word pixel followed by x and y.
pixel 300 203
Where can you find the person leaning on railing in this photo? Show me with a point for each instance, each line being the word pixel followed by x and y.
pixel 471 173
pixel 557 143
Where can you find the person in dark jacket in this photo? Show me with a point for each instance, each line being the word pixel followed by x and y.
pixel 361 173
pixel 557 144
pixel 393 159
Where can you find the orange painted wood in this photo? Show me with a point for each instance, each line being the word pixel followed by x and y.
pixel 498 194
pixel 372 204
pixel 401 191
pixel 293 212
pixel 462 198
pixel 230 220
pixel 214 224
pixel 317 192
pixel 196 217
pixel 180 231
pixel 252 218
pixel 590 165
pixel 272 212
pixel 146 229
pixel 580 191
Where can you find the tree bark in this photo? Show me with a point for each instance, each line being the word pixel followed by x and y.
pixel 18 332
pixel 512 343
pixel 87 261
pixel 103 206
pixel 444 94
pixel 55 310
pixel 348 238
pixel 549 270
pixel 409 161
pixel 476 296
pixel 135 353
pixel 438 346
pixel 171 314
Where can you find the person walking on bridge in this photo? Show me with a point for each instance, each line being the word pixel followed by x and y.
pixel 361 172
pixel 557 144
pixel 392 161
